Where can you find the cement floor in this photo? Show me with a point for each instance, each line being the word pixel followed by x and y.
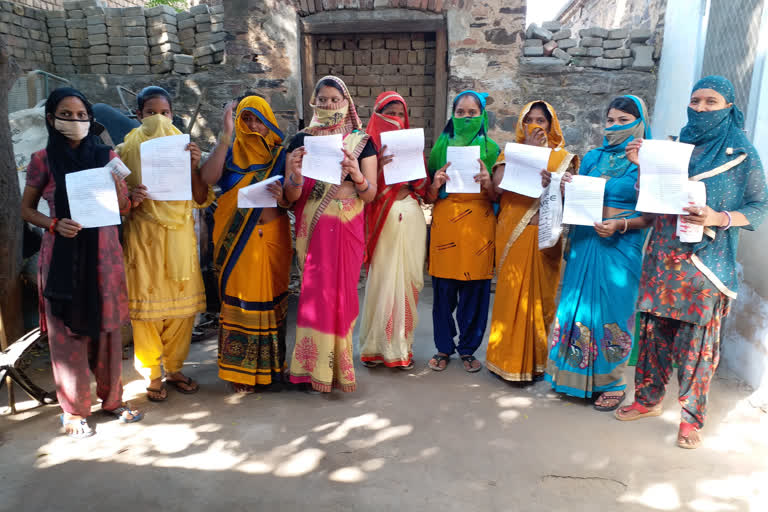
pixel 416 440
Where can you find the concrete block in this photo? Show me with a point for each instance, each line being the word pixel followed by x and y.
pixel 64 69
pixel 160 10
pixel 188 23
pixel 536 32
pixel 217 9
pixel 583 62
pixel 215 37
pixel 640 35
pixel 219 18
pixel 94 11
pixel 591 41
pixel 59 41
pixel 76 14
pixel 137 50
pixel 56 23
pixel 219 46
pixel 203 27
pixel 159 28
pixel 533 51
pixel 562 34
pixel 217 27
pixel 78 52
pixel 207 50
pixel 562 55
pixel 163 38
pixel 134 32
pixel 161 57
pixel 98 39
pixel 184 69
pixel 79 43
pixel 199 9
pixel 643 58
pixel 552 26
pixel 618 33
pixel 162 67
pixel 165 48
pixel 183 59
pixel 77 33
pixel 127 41
pixel 185 15
pixel 594 51
pixel 627 62
pixel 119 69
pixel 81 23
pixel 120 60
pixel 138 59
pixel 593 32
pixel 96 29
pixel 62 59
pixel 205 60
pixel 203 18
pixel 619 53
pixel 100 69
pixel 54 15
pixel 101 49
pixel 604 63
pixel 115 30
pixel 187 33
pixel 134 21
pixel 60 50
pixel 533 42
pixel 564 44
pixel 133 12
pixel 543 64
pixel 549 47
pixel 98 59
pixel 612 44
pixel 57 32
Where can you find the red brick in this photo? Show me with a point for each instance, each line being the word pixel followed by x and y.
pixel 353 91
pixel 364 70
pixel 324 44
pixel 363 91
pixel 350 44
pixel 413 57
pixel 368 80
pixel 421 57
pixel 403 44
pixel 392 80
pixel 418 45
pixel 363 57
pixel 403 91
pixel 337 44
pixel 348 58
pixel 350 70
pixel 416 101
pixel 402 57
pixel 416 79
pixel 416 112
pixel 394 57
pixel 417 90
pixel 377 44
pixel 391 44
pixel 379 57
pixel 322 69
pixel 364 44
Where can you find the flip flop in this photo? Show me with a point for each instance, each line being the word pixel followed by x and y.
pixel 470 360
pixel 644 412
pixel 159 392
pixel 85 429
pixel 188 381
pixel 618 400
pixel 119 413
pixel 438 359
pixel 684 436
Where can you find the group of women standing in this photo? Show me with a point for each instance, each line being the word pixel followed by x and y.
pixel 579 343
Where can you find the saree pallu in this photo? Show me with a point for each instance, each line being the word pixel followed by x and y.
pixel 524 306
pixel 395 279
pixel 462 238
pixel 328 304
pixel 592 335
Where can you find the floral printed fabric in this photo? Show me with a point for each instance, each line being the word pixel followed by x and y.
pixel 671 286
pixel 694 348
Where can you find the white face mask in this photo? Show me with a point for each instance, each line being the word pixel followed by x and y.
pixel 73 130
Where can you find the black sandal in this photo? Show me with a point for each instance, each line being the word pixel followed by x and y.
pixel 186 381
pixel 618 399
pixel 438 359
pixel 470 360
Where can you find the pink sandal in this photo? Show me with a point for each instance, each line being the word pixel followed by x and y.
pixel 625 413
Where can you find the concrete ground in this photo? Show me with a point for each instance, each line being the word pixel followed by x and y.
pixel 417 440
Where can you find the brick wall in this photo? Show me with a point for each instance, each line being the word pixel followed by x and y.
pixel 374 63
pixel 24 29
pixel 59 4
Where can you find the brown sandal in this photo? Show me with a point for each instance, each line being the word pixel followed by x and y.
pixel 636 411
pixel 688 436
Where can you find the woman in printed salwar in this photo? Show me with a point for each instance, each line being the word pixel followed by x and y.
pixel 592 333
pixel 83 302
pixel 687 288
pixel 528 278
pixel 330 241
pixel 396 238
pixel 252 247
pixel 461 247
pixel 165 285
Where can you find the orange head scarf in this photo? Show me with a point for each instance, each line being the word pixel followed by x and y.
pixel 555 138
pixel 251 151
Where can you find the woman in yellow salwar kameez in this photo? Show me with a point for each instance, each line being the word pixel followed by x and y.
pixel 165 287
pixel 524 306
pixel 252 248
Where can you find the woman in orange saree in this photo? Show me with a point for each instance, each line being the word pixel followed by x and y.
pixel 528 278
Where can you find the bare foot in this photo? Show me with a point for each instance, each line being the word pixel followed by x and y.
pixel 688 436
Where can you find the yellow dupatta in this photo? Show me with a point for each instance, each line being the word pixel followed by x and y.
pixel 174 216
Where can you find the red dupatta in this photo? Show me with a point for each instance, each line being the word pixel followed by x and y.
pixel 377 210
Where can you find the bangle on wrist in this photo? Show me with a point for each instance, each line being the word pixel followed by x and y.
pixel 368 185
pixel 52 227
pixel 730 220
pixel 626 226
pixel 293 182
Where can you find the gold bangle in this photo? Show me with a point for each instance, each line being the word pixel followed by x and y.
pixel 626 226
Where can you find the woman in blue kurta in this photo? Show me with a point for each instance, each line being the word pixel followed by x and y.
pixel 591 337
pixel 686 288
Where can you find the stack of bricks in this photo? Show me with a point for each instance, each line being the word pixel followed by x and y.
pixel 77 33
pixel 210 36
pixel 597 47
pixel 98 53
pixel 128 45
pixel 404 63
pixel 163 38
pixel 57 32
pixel 24 30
